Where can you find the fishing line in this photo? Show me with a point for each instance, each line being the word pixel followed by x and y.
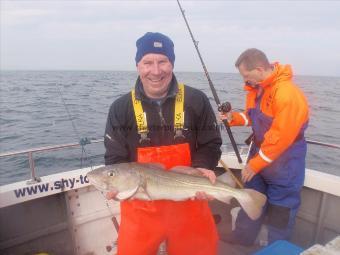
pixel 82 141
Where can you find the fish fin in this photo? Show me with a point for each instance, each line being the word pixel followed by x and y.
pixel 227 179
pixel 143 194
pixel 185 170
pixel 252 203
pixel 155 165
pixel 127 194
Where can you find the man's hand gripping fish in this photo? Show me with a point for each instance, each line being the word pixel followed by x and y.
pixel 151 182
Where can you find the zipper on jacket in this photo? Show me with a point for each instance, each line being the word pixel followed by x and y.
pixel 160 113
pixel 163 123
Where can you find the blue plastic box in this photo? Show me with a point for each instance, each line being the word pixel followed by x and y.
pixel 280 247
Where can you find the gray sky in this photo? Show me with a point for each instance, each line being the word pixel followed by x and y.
pixel 101 35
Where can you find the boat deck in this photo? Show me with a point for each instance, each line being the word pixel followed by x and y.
pixel 225 249
pixel 224 227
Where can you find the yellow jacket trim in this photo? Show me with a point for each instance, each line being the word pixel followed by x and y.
pixel 140 115
pixel 142 125
pixel 179 105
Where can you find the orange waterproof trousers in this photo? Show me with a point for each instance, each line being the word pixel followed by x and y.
pixel 187 226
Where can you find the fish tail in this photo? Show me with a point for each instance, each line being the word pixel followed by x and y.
pixel 252 203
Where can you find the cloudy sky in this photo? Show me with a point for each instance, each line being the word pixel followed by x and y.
pixel 101 35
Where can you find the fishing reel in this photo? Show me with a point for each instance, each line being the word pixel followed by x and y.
pixel 224 107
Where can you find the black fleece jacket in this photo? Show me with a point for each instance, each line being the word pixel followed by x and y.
pixel 201 131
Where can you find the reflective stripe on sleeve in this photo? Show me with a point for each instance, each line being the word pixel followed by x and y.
pixel 245 118
pixel 264 157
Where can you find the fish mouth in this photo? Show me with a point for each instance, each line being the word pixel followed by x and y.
pixel 98 186
pixel 122 195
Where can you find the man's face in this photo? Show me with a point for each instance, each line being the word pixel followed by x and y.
pixel 155 71
pixel 251 77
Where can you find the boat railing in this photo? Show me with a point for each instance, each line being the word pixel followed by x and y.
pixel 29 152
pixel 35 178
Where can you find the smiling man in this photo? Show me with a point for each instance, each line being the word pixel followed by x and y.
pixel 163 121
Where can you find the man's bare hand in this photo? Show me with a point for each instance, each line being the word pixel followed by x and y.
pixel 208 173
pixel 212 178
pixel 225 116
pixel 197 172
pixel 200 195
pixel 185 170
pixel 247 173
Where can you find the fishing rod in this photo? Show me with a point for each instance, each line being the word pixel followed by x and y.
pixel 225 107
pixel 330 145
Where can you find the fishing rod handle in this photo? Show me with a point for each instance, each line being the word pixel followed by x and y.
pixel 232 140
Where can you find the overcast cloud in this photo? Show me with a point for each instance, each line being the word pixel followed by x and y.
pixel 101 35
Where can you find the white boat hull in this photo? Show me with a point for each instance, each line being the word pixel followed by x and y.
pixel 76 218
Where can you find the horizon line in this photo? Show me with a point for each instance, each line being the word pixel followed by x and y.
pixel 135 71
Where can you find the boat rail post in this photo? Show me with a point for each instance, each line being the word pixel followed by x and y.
pixel 34 179
pixel 320 218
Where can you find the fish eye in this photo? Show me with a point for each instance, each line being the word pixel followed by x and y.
pixel 111 173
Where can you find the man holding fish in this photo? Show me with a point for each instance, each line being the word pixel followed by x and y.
pixel 166 122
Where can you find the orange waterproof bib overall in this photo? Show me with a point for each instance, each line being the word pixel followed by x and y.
pixel 187 226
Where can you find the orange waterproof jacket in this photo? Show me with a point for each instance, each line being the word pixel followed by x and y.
pixel 286 104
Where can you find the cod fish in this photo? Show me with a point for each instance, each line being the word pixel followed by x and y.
pixel 147 181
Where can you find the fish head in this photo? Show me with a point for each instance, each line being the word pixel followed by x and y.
pixel 118 177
